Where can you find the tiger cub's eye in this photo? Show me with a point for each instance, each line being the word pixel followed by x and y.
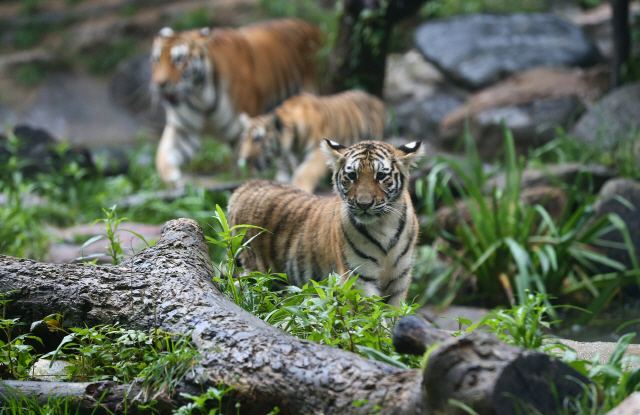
pixel 352 175
pixel 380 176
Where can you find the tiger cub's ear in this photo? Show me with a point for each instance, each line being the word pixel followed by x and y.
pixel 333 151
pixel 410 153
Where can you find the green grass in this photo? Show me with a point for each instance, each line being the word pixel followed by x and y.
pixel 508 247
pixel 446 8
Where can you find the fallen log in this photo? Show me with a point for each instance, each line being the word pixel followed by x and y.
pixel 170 286
pixel 483 373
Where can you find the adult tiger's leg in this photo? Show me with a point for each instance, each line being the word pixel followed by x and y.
pixel 176 147
pixel 311 171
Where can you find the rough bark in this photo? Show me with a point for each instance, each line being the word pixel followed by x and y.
pixel 621 38
pixel 360 53
pixel 485 374
pixel 170 286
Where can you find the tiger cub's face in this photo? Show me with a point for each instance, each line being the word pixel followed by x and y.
pixel 371 176
pixel 178 65
pixel 260 140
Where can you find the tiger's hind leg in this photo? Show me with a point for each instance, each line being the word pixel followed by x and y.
pixel 176 147
pixel 311 171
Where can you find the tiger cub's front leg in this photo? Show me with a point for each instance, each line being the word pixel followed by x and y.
pixel 176 147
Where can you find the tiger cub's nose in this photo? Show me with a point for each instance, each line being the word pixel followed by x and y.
pixel 364 205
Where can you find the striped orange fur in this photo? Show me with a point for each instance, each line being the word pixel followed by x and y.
pixel 206 78
pixel 370 227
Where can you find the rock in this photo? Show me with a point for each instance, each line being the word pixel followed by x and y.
pixel 558 175
pixel 531 104
pixel 129 89
pixel 8 117
pixel 478 50
pixel 613 120
pixel 445 318
pixel 73 238
pixel 609 202
pixel 38 152
pixel 409 77
pixel 76 107
pixel 420 119
pixel 42 369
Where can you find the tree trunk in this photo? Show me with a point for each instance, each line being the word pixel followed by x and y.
pixel 485 374
pixel 359 56
pixel 621 38
pixel 170 286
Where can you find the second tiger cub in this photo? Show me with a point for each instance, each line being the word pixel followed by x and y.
pixel 291 134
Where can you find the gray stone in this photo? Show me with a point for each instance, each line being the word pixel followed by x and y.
pixel 420 119
pixel 76 107
pixel 409 77
pixel 613 120
pixel 531 104
pixel 478 50
pixel 609 202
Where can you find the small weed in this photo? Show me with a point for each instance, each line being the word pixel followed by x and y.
pixel 15 356
pixel 111 223
pixel 108 57
pixel 197 18
pixel 29 75
pixel 200 403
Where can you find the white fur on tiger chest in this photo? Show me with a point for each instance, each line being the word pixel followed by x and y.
pixel 388 265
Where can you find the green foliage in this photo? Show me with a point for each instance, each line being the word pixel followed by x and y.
pixel 621 153
pixel 308 10
pixel 197 18
pixel 19 404
pixel 121 355
pixel 445 8
pixel 111 223
pixel 510 247
pixel 29 75
pixel 107 58
pixel 326 312
pixel 522 325
pixel 200 403
pixel 613 381
pixel 15 356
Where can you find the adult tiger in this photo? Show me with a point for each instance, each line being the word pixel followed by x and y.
pixel 370 227
pixel 292 133
pixel 206 78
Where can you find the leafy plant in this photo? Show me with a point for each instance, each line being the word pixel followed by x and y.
pixel 15 356
pixel 508 246
pixel 121 355
pixel 111 223
pixel 200 403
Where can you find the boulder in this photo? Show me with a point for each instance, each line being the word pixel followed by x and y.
pixel 478 50
pixel 609 202
pixel 76 107
pixel 531 104
pixel 613 120
pixel 409 77
pixel 420 118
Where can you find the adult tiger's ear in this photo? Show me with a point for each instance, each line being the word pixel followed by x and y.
pixel 333 151
pixel 244 120
pixel 166 31
pixel 410 153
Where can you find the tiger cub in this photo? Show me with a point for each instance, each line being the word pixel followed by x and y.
pixel 206 78
pixel 291 134
pixel 370 227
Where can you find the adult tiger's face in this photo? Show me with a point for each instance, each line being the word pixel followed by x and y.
pixel 178 64
pixel 371 176
pixel 260 142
